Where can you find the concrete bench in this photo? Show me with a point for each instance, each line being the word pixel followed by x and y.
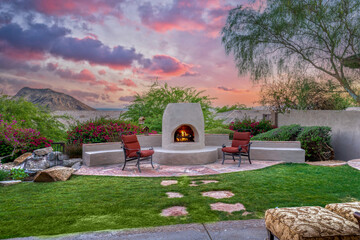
pixel 112 153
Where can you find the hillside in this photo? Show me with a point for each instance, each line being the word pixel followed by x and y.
pixel 55 101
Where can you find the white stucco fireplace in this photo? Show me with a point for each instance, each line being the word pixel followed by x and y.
pixel 183 137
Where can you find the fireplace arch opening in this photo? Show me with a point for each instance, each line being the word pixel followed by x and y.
pixel 184 134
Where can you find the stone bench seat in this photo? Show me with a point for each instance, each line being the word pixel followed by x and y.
pixel 295 155
pixel 310 223
pixel 103 157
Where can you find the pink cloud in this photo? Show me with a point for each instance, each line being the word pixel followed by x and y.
pixel 128 82
pixel 167 66
pixel 235 90
pixel 102 72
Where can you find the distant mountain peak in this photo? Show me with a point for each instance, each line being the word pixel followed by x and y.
pixel 55 101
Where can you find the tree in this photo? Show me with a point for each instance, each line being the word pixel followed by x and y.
pixel 307 37
pixel 29 115
pixel 303 94
pixel 152 104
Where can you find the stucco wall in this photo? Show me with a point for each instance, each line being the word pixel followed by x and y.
pixel 345 127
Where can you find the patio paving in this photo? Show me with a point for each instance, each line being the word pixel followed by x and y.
pixel 355 163
pixel 173 171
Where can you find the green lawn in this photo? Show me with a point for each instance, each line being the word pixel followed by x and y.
pixel 90 203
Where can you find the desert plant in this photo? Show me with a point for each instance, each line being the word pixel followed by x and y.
pixel 315 141
pixel 101 130
pixel 153 102
pixel 284 133
pixel 231 108
pixel 12 136
pixel 31 116
pixel 252 125
pixel 18 173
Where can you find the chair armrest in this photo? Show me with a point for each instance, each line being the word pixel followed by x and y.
pixel 357 216
pixel 151 148
pixel 223 145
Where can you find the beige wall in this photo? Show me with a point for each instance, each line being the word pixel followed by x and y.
pixel 345 127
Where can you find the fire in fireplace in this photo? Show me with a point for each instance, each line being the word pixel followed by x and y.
pixel 184 134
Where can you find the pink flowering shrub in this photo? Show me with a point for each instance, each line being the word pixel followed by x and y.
pixel 247 124
pixel 21 139
pixel 101 130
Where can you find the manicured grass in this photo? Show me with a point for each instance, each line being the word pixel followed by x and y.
pixel 90 203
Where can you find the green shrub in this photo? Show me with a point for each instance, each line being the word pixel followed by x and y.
pixel 227 108
pixel 284 133
pixel 18 173
pixel 220 130
pixel 316 143
pixel 314 140
pixel 4 175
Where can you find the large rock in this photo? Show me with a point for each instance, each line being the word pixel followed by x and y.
pixel 54 174
pixel 22 158
pixel 71 162
pixel 53 156
pixel 76 166
pixel 8 166
pixel 43 151
pixel 36 163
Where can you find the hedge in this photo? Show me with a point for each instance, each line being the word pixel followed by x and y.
pixel 316 140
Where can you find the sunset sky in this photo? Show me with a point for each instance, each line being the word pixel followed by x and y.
pixel 103 52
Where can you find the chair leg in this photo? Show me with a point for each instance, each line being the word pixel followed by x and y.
pixel 233 156
pixel 151 162
pixel 223 158
pixel 249 157
pixel 239 160
pixel 124 165
pixel 138 164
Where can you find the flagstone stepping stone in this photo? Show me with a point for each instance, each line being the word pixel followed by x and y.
pixel 209 181
pixel 174 195
pixel 218 194
pixel 168 182
pixel 174 211
pixel 246 213
pixel 227 207
pixel 193 184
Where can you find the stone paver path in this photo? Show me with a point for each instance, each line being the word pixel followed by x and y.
pixel 174 195
pixel 218 194
pixel 169 171
pixel 227 207
pixel 168 182
pixel 174 211
pixel 330 163
pixel 355 163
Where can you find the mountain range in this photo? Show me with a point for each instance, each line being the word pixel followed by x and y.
pixel 55 101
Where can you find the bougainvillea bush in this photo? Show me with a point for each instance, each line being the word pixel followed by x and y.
pixel 252 125
pixel 101 130
pixel 19 140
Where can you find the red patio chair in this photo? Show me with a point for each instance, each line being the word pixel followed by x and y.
pixel 133 152
pixel 240 146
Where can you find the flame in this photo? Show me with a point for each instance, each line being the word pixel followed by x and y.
pixel 184 136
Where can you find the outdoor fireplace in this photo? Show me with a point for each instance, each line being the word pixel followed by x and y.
pixel 183 127
pixel 184 134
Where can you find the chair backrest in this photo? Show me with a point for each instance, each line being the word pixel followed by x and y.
pixel 130 142
pixel 240 138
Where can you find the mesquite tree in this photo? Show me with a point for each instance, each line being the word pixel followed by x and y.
pixel 290 36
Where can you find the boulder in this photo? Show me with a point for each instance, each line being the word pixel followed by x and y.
pixel 54 174
pixel 36 163
pixel 53 156
pixel 8 166
pixel 71 162
pixel 8 183
pixel 76 166
pixel 22 158
pixel 43 151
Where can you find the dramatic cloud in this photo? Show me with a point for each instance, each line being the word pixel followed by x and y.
pixel 102 72
pixel 233 89
pixel 82 95
pixel 13 64
pixel 164 65
pixel 88 9
pixel 127 98
pixel 128 82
